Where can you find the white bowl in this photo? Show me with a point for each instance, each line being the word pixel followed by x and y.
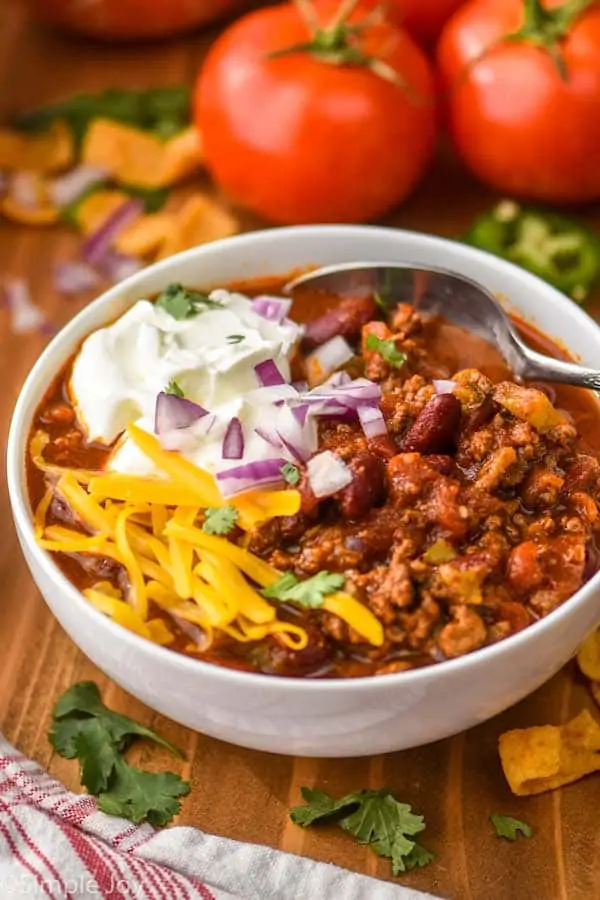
pixel 347 717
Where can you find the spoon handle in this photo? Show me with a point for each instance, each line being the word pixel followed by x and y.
pixel 536 366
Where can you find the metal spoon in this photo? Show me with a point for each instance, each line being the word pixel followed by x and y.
pixel 459 300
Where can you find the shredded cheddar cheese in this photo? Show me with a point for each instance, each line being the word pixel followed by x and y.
pixel 153 528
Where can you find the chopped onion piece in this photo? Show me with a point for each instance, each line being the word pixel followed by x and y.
pixel 268 374
pixel 443 386
pixel 185 440
pixel 74 277
pixel 98 244
pixel 300 412
pixel 23 189
pixel 351 394
pixel 372 421
pixel 250 476
pixel 25 315
pixel 298 438
pixel 327 474
pixel 273 308
pixel 68 188
pixel 173 412
pixel 300 386
pixel 268 436
pixel 117 267
pixel 327 358
pixel 233 442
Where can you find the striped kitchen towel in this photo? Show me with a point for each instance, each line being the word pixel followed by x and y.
pixel 56 844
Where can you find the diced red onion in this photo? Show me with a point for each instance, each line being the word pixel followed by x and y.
pixel 268 436
pixel 328 358
pixel 250 476
pixel 372 421
pixel 117 266
pixel 173 412
pixel 74 277
pixel 268 374
pixel 22 188
pixel 443 386
pixel 352 394
pixel 300 412
pixel 67 188
pixel 184 440
pixel 300 386
pixel 327 474
pixel 273 394
pixel 98 244
pixel 25 315
pixel 273 308
pixel 298 438
pixel 233 442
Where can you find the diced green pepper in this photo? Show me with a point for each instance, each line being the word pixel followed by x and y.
pixel 557 248
pixel 439 552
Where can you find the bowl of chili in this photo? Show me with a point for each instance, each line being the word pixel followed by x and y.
pixel 336 530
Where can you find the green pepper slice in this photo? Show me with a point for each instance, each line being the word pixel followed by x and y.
pixel 557 248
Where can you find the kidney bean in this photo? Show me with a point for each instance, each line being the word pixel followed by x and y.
pixel 346 319
pixel 435 429
pixel 383 446
pixel 443 464
pixel 366 488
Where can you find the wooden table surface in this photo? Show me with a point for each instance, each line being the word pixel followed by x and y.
pixel 240 793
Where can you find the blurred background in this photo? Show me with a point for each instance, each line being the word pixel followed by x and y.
pixel 132 129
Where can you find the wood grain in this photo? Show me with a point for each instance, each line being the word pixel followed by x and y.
pixel 240 793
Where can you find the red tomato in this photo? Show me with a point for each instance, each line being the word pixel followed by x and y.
pixel 515 122
pixel 424 19
pixel 129 19
pixel 298 140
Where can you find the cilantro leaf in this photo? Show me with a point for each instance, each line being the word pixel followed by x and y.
pixel 375 818
pixel 417 858
pixel 509 828
pixel 291 473
pixel 82 701
pixel 163 111
pixel 139 795
pixel 309 593
pixel 235 338
pixel 220 520
pixel 174 388
pixel 319 805
pixel 182 303
pixel 84 728
pixel 97 755
pixel 387 349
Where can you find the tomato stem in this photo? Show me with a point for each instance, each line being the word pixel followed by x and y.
pixel 337 43
pixel 546 28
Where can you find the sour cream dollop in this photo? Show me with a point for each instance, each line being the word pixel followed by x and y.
pixel 121 369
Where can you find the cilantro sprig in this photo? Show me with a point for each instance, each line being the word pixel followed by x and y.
pixel 220 520
pixel 387 349
pixel 174 388
pixel 291 473
pixel 164 111
pixel 84 728
pixel 235 338
pixel 182 303
pixel 309 593
pixel 375 818
pixel 509 828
